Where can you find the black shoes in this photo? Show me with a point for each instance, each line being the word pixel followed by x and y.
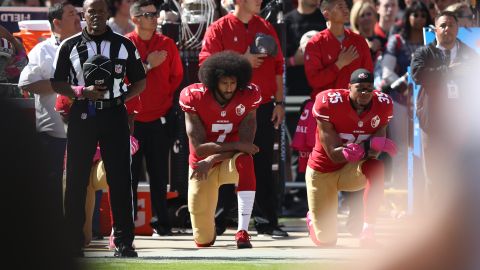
pixel 125 251
pixel 162 231
pixel 273 231
pixel 220 229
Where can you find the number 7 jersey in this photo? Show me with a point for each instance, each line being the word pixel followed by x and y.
pixel 220 123
pixel 334 106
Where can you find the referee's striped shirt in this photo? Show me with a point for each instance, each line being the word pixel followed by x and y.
pixel 74 51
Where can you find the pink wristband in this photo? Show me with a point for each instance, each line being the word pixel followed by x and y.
pixel 78 90
pixel 291 60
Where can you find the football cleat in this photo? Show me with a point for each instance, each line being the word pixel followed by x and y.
pixel 313 237
pixel 125 251
pixel 243 239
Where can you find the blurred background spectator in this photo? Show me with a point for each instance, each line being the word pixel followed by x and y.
pixel 305 18
pixel 363 19
pixel 397 57
pixel 120 16
pixel 465 14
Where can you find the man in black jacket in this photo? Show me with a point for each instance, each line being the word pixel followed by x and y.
pixel 443 70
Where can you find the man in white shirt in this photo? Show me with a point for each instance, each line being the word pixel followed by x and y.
pixel 35 78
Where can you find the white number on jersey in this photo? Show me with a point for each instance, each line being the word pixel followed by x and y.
pixel 224 129
pixel 382 97
pixel 350 138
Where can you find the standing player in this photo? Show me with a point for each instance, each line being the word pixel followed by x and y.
pixel 351 133
pixel 220 120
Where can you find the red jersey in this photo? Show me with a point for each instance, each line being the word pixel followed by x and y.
pixel 322 52
pixel 220 123
pixel 229 33
pixel 163 80
pixel 334 106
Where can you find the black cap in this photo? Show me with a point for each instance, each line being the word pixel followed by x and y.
pixel 361 75
pixel 97 70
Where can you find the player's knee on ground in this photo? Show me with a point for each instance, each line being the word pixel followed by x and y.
pixel 246 173
pixel 323 204
pixel 202 201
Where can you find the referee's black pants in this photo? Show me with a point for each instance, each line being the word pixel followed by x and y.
pixel 155 140
pixel 266 196
pixel 108 127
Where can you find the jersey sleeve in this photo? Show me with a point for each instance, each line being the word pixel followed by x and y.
pixel 135 71
pixel 321 110
pixel 134 105
pixel 389 111
pixel 187 101
pixel 62 64
pixel 386 105
pixel 255 97
pixel 39 67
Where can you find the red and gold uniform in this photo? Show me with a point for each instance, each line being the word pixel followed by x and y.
pixel 324 177
pixel 221 125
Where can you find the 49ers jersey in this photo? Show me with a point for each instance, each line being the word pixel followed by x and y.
pixel 334 106
pixel 220 123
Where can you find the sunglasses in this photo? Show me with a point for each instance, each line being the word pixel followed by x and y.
pixel 148 15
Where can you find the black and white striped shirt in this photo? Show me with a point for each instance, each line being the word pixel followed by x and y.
pixel 74 51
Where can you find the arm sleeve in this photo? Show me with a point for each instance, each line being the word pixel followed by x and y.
pixel 421 72
pixel 39 67
pixel 62 64
pixel 176 67
pixel 134 105
pixel 389 112
pixel 256 97
pixel 186 101
pixel 318 74
pixel 135 71
pixel 279 61
pixel 391 47
pixel 320 109
pixel 211 43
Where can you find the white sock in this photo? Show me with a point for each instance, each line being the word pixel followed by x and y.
pixel 245 206
pixel 368 226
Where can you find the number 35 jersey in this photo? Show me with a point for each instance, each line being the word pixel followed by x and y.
pixel 220 123
pixel 334 106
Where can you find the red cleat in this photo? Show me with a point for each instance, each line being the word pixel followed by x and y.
pixel 313 237
pixel 311 231
pixel 243 239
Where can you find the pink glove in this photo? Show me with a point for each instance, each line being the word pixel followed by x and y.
pixel 353 152
pixel 382 144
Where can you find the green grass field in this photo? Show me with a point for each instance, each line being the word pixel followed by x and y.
pixel 174 265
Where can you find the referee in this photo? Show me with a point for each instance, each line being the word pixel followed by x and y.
pixel 91 67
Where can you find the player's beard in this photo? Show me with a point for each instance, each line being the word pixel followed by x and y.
pixel 225 97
